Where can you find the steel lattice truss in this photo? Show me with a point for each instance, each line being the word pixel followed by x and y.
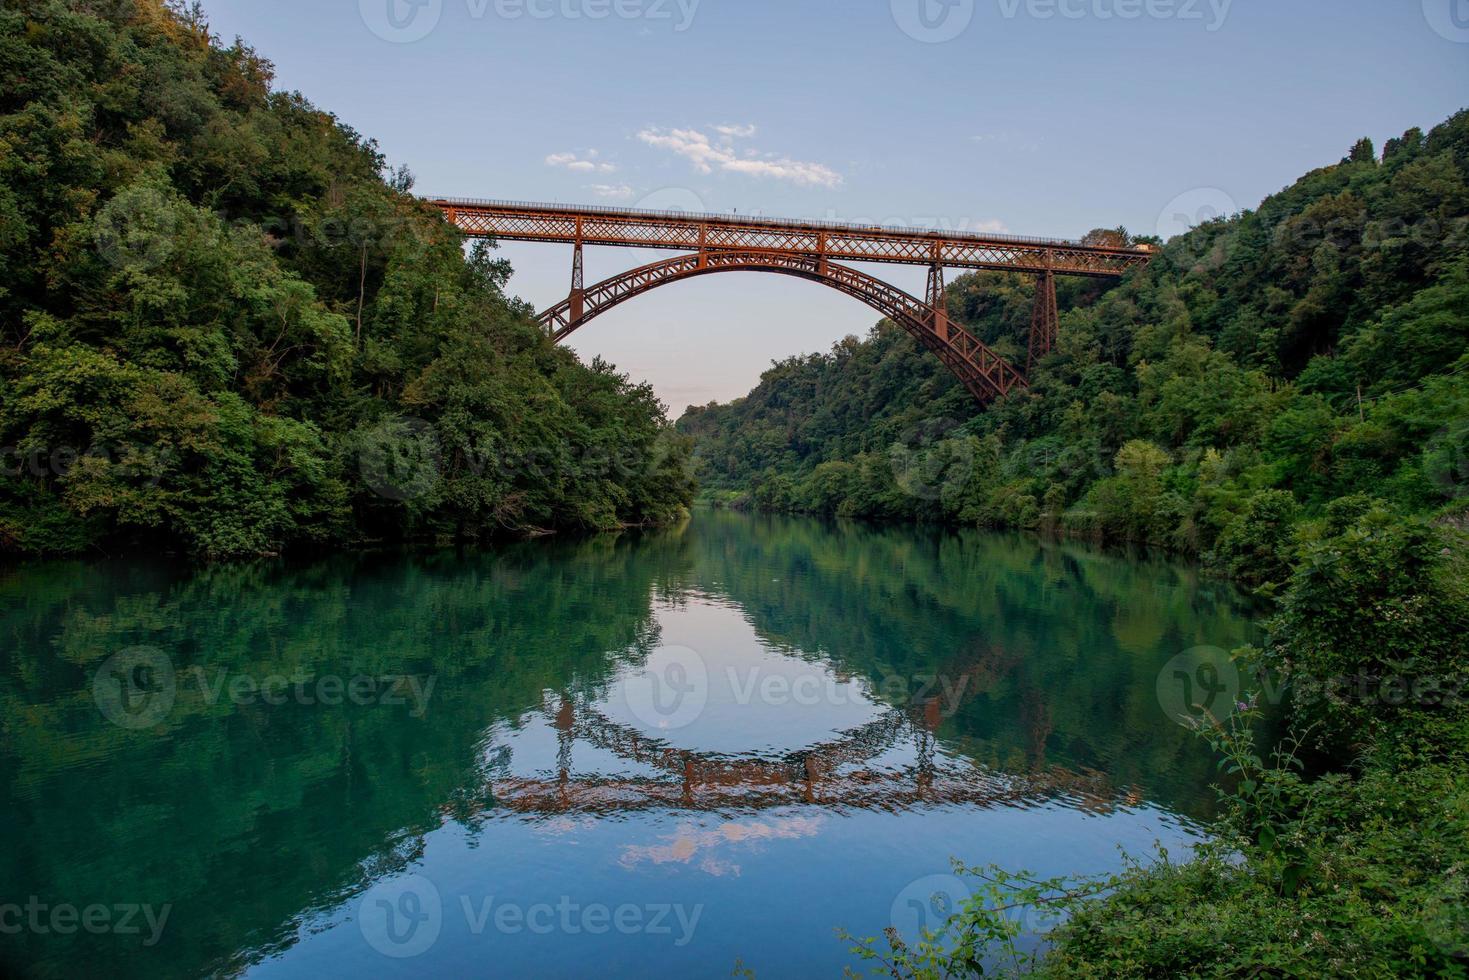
pixel 984 373
pixel 808 250
pixel 842 242
pixel 844 771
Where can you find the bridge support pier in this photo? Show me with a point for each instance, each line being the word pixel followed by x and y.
pixel 936 301
pixel 577 299
pixel 1044 320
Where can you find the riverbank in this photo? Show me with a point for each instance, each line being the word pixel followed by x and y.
pixel 1359 871
pixel 1360 868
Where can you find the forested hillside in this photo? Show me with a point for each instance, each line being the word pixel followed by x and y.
pixel 227 329
pixel 1283 392
pixel 1264 365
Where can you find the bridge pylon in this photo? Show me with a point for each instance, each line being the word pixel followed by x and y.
pixel 937 301
pixel 1045 320
pixel 577 296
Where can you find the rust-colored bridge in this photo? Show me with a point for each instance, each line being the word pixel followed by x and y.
pixel 808 250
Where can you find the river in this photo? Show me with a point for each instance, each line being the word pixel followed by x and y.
pixel 659 753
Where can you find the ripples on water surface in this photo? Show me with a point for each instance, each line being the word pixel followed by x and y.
pixel 658 752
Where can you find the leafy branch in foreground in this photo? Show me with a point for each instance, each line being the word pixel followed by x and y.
pixel 1267 821
pixel 983 937
pixel 1267 808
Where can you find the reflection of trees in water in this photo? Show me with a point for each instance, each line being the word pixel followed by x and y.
pixel 288 810
pixel 319 798
pixel 1075 636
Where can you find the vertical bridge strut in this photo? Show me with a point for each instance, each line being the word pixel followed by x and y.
pixel 577 296
pixel 937 301
pixel 1045 320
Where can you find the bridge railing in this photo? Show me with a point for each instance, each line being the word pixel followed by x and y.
pixel 762 221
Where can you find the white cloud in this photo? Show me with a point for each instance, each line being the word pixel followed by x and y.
pixel 994 226
pixel 618 192
pixel 736 132
pixel 707 155
pixel 572 162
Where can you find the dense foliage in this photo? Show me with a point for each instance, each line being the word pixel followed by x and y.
pixel 1347 854
pixel 1265 364
pixel 1357 872
pixel 226 328
pixel 1284 393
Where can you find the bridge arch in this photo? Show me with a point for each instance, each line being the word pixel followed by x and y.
pixel 982 371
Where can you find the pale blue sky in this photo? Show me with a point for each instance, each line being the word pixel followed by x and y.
pixel 1045 117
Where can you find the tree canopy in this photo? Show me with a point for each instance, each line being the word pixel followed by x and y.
pixel 227 328
pixel 1264 364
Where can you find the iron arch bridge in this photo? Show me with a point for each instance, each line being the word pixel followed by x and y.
pixel 850 769
pixel 814 251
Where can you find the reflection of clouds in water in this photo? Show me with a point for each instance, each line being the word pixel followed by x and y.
pixel 714 683
pixel 563 825
pixel 689 842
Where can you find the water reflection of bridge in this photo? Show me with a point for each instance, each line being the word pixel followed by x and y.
pixel 844 771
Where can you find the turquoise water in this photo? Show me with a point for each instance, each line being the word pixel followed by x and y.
pixel 663 752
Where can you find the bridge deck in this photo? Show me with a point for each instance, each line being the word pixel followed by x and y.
pixel 519 221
